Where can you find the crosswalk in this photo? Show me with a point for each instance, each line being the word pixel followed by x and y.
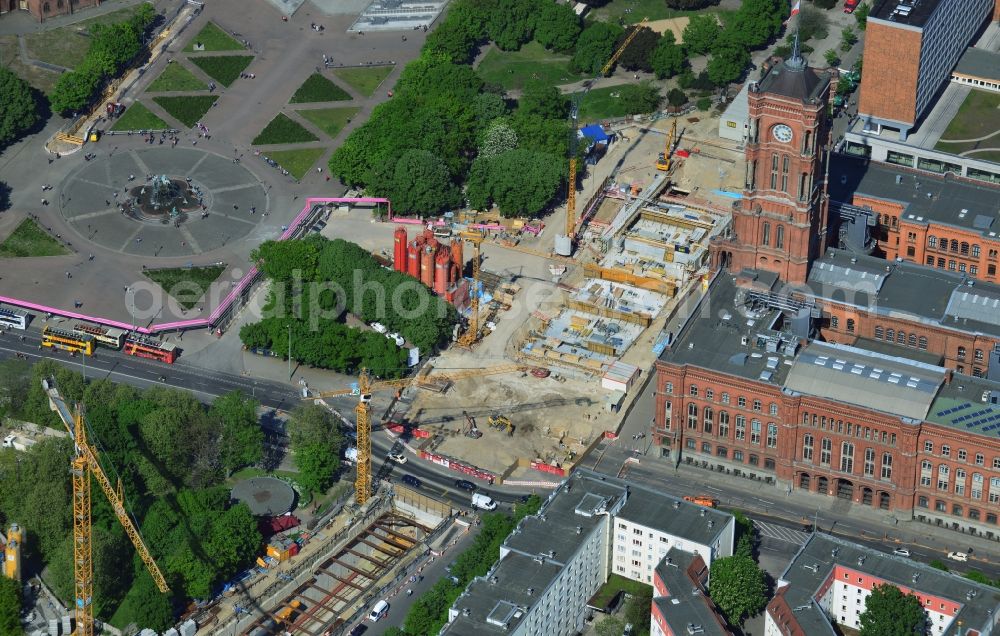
pixel 781 533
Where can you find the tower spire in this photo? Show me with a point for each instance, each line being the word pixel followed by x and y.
pixel 796 62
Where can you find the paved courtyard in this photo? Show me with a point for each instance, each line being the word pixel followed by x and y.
pixel 234 199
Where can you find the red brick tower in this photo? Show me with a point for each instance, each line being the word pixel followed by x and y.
pixel 781 224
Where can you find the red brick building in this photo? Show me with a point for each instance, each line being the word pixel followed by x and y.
pixel 844 374
pixel 43 9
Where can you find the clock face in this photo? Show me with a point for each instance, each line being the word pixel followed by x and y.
pixel 782 133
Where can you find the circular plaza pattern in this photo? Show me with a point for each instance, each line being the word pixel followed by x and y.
pixel 213 201
pixel 266 496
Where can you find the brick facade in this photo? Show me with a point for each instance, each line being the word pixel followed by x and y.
pixel 825 446
pixel 892 67
pixel 43 9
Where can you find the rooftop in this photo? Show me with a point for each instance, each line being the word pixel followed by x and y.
pixel 687 603
pixel 907 290
pixel 674 516
pixel 979 63
pixel 926 198
pixel 969 404
pixel 815 563
pixel 795 80
pixel 913 13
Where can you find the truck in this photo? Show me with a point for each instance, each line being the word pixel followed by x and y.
pixel 703 500
pixel 483 502
pixel 281 617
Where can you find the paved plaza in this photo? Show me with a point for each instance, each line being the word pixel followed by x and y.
pixel 235 202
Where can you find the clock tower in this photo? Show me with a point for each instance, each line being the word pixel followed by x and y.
pixel 780 225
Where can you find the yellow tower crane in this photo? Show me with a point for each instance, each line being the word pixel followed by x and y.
pixel 84 464
pixel 573 113
pixel 471 335
pixel 367 386
pixel 663 160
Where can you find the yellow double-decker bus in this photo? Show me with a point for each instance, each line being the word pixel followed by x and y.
pixel 68 340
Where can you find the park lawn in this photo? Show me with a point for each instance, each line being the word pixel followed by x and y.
pixel 329 120
pixel 297 162
pixel 40 78
pixel 317 88
pixel 213 38
pixel 364 79
pixel 283 130
pixel 29 239
pixel 187 109
pixel 514 69
pixel 175 77
pixel 224 69
pixel 185 284
pixel 66 46
pixel 138 117
pixel 652 9
pixel 601 103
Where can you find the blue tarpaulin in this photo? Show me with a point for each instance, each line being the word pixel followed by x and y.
pixel 595 133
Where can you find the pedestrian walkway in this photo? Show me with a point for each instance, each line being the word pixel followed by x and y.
pixel 781 533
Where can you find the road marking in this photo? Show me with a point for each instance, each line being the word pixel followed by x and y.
pixel 781 533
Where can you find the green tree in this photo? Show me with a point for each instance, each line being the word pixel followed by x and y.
pixel 825 4
pixel 638 55
pixel 938 564
pixel 594 47
pixel 285 260
pixel 676 97
pixel 10 607
pixel 543 100
pixel 74 89
pixel 14 382
pixel 831 57
pixel 727 64
pixel 456 37
pixel 737 587
pixel 534 132
pixel 510 23
pixel 746 535
pixel 242 438
pixel 610 626
pixel 861 15
pixel 145 605
pixel 489 106
pixel 315 444
pixel 556 26
pixel 812 24
pixel 639 98
pixel 848 38
pixel 689 5
pixel 979 577
pixel 420 184
pixel 754 24
pixel 519 182
pixel 701 33
pixel 637 609
pixel 394 631
pixel 890 612
pixel 18 110
pixel 668 58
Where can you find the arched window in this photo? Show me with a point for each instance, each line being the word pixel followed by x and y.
pixel 975 251
pixel 879 333
pixel 961 353
pixel 954 245
pixel 932 241
pixel 964 249
pixel 900 337
pixel 890 335
pixel 706 416
pixel 779 237
pixel 912 340
pixel 692 416
pixel 922 342
pixel 834 322
pixel 850 325
pixel 766 234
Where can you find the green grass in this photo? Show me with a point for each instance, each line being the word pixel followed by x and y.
pixel 66 46
pixel 224 69
pixel 28 239
pixel 600 104
pixel 297 162
pixel 138 117
pixel 317 88
pixel 514 69
pixel 652 9
pixel 614 585
pixel 329 120
pixel 364 79
pixel 175 77
pixel 187 109
pixel 978 116
pixel 214 39
pixel 186 284
pixel 283 130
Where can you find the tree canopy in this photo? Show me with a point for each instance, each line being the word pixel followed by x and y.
pixel 315 441
pixel 637 56
pixel 10 607
pixel 595 46
pixel 890 612
pixel 420 184
pixel 737 587
pixel 668 58
pixel 701 33
pixel 18 110
pixel 556 26
pixel 518 182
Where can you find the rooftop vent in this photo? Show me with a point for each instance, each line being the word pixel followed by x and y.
pixel 530 591
pixel 494 580
pixel 579 529
pixel 813 568
pixel 834 552
pixel 916 575
pixel 465 611
pixel 711 523
pixel 677 504
pixel 702 512
pixel 692 629
pixel 861 559
pixel 971 594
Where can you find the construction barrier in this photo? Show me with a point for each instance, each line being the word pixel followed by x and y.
pixel 461 467
pixel 399 429
pixel 547 468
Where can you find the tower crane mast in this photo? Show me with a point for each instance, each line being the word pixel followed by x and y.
pixel 84 464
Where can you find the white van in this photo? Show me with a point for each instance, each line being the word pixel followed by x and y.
pixel 483 502
pixel 381 609
pixel 378 327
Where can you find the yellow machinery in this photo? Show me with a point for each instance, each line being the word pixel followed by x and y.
pixel 663 160
pixel 12 552
pixel 501 423
pixel 471 335
pixel 85 463
pixel 367 386
pixel 574 111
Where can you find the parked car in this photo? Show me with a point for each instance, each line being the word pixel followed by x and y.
pixel 483 502
pixel 410 480
pixel 359 629
pixel 850 6
pixel 380 610
pixel 399 458
pixel 395 337
pixel 465 484
pixel 378 327
pixel 903 552
pixel 958 556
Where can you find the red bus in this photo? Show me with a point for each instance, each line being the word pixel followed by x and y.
pixel 145 347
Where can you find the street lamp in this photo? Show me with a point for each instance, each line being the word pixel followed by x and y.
pixel 129 292
pixel 289 352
